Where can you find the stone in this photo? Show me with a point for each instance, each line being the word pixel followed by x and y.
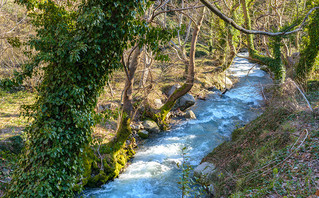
pixel 185 102
pixel 264 68
pixel 190 115
pixel 136 127
pixel 151 126
pixel 204 172
pixel 211 189
pixel 242 50
pixel 214 89
pixel 229 83
pixel 172 89
pixel 158 103
pixel 143 134
pixel 103 107
pixel 6 171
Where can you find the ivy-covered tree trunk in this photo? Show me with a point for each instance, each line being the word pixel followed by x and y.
pixel 190 74
pixel 275 64
pixel 80 48
pixel 249 37
pixel 231 36
pixel 309 54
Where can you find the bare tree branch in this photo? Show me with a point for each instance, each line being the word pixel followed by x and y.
pixel 238 27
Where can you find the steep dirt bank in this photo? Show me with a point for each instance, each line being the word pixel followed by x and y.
pixel 276 155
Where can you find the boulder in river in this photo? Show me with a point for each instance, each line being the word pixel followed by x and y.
pixel 204 172
pixel 228 82
pixel 185 102
pixel 151 126
pixel 143 134
pixel 190 114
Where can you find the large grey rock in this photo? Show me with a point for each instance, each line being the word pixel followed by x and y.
pixel 172 89
pixel 143 134
pixel 151 126
pixel 204 172
pixel 190 114
pixel 185 102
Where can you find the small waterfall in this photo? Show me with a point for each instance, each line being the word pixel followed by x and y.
pixel 153 172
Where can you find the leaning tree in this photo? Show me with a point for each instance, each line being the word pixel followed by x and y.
pixel 79 43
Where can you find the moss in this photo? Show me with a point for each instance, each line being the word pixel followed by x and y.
pixel 98 179
pixel 310 52
pixel 142 135
pixel 274 64
pixel 105 163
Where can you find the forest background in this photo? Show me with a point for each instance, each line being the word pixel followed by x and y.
pixel 88 70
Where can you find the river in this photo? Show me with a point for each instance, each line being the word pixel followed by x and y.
pixel 153 173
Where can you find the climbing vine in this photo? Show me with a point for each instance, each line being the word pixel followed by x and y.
pixel 310 51
pixel 80 45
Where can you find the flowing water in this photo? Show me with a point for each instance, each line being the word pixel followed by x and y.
pixel 153 172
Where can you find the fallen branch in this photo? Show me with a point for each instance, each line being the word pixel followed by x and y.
pixel 2 181
pixel 262 92
pixel 303 96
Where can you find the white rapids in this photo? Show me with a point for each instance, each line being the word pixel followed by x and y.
pixel 153 172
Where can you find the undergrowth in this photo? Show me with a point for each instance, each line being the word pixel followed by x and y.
pixel 275 155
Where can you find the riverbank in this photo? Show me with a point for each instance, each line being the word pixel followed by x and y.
pixel 155 170
pixel 11 125
pixel 276 155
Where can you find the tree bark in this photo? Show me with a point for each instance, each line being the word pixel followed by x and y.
pixel 190 74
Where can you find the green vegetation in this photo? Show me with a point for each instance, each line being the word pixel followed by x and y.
pixel 273 155
pixel 63 62
pixel 310 54
pixel 64 111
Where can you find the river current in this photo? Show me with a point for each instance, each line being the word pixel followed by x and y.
pixel 153 173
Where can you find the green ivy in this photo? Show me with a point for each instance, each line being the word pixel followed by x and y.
pixel 310 49
pixel 80 46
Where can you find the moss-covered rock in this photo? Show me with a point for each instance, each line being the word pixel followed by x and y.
pixel 143 134
pixel 101 164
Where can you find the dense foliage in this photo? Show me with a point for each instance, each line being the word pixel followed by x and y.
pixel 310 51
pixel 80 46
pixel 79 43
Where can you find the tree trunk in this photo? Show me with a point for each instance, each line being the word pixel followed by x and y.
pixel 190 74
pixel 309 54
pixel 124 129
pixel 249 37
